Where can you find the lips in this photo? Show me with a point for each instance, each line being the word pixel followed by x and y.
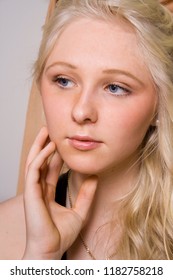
pixel 83 143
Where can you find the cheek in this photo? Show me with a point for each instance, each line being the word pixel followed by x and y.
pixel 55 112
pixel 58 118
pixel 131 123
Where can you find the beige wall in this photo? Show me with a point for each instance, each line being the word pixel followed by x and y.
pixel 20 34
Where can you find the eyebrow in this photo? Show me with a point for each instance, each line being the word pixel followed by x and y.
pixel 107 71
pixel 123 72
pixel 61 63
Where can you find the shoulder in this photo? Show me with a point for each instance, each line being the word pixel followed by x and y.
pixel 12 228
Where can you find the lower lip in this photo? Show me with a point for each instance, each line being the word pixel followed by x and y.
pixel 84 145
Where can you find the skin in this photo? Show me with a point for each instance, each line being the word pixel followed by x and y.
pixel 168 4
pixel 106 94
pixel 86 105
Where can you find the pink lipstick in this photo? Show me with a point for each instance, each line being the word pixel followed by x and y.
pixel 83 143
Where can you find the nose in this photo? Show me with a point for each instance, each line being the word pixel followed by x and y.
pixel 84 109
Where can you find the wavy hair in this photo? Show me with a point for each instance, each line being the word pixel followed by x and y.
pixel 148 209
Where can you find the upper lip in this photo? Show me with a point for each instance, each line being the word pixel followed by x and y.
pixel 84 138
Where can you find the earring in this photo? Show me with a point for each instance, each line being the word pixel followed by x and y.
pixel 157 122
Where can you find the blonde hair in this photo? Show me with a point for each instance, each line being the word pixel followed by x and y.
pixel 148 209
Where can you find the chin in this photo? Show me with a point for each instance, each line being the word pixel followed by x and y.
pixel 83 167
pixel 83 163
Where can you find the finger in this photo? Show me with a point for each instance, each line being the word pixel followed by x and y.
pixel 85 197
pixel 53 173
pixel 34 204
pixel 34 170
pixel 37 146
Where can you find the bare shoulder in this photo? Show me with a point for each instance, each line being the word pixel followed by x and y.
pixel 12 228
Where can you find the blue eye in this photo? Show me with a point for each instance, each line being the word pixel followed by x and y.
pixel 118 90
pixel 64 82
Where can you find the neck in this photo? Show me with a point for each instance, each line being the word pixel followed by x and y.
pixel 112 186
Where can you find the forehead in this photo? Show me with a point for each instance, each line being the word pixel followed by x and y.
pixel 94 42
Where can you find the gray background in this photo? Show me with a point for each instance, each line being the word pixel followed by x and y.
pixel 20 34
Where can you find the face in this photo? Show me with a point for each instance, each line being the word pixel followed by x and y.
pixel 98 96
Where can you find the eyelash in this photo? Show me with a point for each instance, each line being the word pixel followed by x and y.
pixel 125 90
pixel 59 79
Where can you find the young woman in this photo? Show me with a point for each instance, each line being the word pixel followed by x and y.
pixel 105 75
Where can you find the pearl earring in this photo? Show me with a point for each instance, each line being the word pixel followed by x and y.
pixel 157 122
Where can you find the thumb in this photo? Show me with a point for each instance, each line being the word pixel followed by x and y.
pixel 85 197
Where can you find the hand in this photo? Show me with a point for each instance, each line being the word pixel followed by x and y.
pixel 50 228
